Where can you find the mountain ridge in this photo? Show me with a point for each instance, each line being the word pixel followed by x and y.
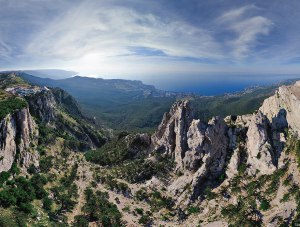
pixel 135 111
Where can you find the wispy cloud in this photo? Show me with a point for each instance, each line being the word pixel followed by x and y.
pixel 127 36
pixel 247 30
pixel 234 14
pixel 113 31
pixel 5 50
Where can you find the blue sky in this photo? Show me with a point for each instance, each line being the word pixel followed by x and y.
pixel 141 38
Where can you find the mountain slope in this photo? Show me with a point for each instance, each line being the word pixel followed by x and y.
pixel 241 170
pixel 115 103
pixel 37 139
pixel 131 105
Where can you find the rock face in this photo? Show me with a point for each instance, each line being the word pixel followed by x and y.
pixel 286 99
pixel 206 150
pixel 212 151
pixel 171 136
pixel 18 132
pixel 197 147
pixel 43 106
pixel 209 143
pixel 260 151
pixel 49 107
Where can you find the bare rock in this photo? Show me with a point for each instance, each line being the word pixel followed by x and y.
pixel 18 132
pixel 232 168
pixel 287 98
pixel 44 106
pixel 171 136
pixel 8 144
pixel 259 149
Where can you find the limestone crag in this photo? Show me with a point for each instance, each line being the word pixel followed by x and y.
pixel 286 99
pixel 43 106
pixel 196 146
pixel 232 168
pixel 260 151
pixel 206 150
pixel 171 136
pixel 50 107
pixel 18 132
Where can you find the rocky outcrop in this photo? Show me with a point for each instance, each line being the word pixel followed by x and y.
pixel 213 151
pixel 232 168
pixel 286 99
pixel 206 150
pixel 261 158
pixel 43 106
pixel 197 147
pixel 171 136
pixel 18 134
pixel 209 142
pixel 57 109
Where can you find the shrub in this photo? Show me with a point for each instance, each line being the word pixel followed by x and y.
pixel 7 199
pixel 4 177
pixel 258 155
pixel 145 219
pixel 21 192
pixel 139 211
pixel 112 153
pixel 26 208
pixel 14 169
pixel 32 169
pixel 209 194
pixel 242 168
pixel 80 221
pixel 46 164
pixel 193 210
pixel 98 208
pixel 10 105
pixel 47 204
pixel 244 213
pixel 264 205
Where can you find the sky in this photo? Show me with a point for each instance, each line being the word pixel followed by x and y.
pixel 152 39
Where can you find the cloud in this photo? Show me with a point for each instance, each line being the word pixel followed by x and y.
pixel 234 14
pixel 5 50
pixel 134 37
pixel 247 30
pixel 115 31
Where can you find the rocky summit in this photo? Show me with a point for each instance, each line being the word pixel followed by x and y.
pixel 59 168
pixel 253 146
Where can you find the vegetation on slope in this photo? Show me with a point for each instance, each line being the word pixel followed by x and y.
pixel 10 79
pixel 98 209
pixel 8 102
pixel 11 104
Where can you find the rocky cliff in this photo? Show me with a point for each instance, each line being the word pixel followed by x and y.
pixel 18 137
pixel 19 132
pixel 286 99
pixel 58 110
pixel 205 151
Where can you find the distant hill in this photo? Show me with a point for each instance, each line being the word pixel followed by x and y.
pixel 116 103
pixel 121 104
pixel 51 73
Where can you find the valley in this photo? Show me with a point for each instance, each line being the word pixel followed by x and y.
pixel 134 106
